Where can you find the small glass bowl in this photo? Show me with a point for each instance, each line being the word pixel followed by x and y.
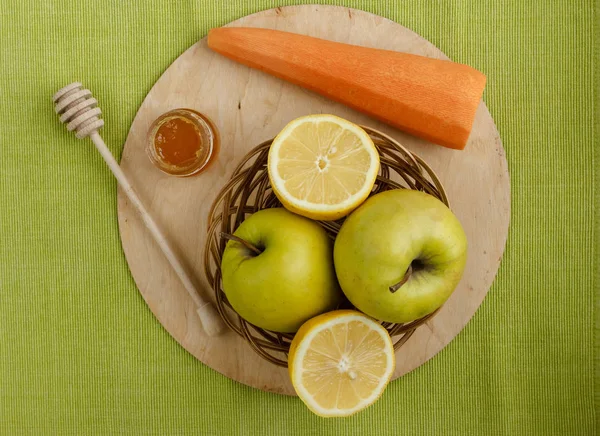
pixel 208 136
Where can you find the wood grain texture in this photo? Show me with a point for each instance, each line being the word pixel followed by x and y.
pixel 249 107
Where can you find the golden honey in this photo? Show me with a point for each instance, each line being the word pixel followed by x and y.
pixel 182 142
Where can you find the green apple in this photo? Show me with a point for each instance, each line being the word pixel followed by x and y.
pixel 399 256
pixel 290 281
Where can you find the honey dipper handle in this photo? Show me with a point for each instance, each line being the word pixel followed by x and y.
pixel 209 317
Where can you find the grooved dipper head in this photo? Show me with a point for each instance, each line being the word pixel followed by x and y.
pixel 78 109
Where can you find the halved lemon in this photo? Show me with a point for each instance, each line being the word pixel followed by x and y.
pixel 322 166
pixel 340 362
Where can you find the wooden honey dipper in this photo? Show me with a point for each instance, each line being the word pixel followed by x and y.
pixel 80 111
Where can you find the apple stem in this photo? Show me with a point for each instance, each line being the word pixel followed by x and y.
pixel 398 285
pixel 245 243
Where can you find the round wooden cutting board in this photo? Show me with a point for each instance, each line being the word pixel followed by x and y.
pixel 249 107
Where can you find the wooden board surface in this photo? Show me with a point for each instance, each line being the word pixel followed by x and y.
pixel 249 107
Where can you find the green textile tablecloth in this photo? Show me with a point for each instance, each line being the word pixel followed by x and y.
pixel 81 353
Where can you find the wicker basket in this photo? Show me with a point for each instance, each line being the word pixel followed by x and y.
pixel 249 190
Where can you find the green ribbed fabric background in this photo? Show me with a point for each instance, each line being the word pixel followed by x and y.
pixel 81 354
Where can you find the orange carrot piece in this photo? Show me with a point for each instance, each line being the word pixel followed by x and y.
pixel 430 98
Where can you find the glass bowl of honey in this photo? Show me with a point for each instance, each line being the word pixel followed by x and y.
pixel 182 142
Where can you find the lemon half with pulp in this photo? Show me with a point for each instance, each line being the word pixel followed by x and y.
pixel 340 362
pixel 322 166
